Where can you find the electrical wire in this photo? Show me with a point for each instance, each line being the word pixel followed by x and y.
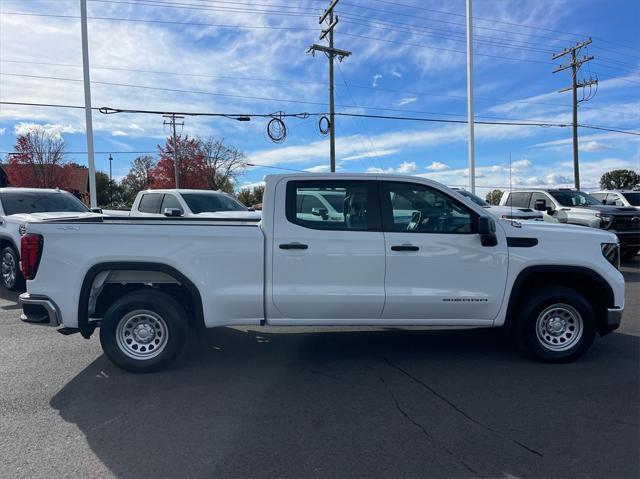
pixel 361 115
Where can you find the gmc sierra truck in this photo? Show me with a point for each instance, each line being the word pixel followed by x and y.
pixel 394 251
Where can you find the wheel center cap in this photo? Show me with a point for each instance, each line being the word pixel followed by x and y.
pixel 556 325
pixel 143 333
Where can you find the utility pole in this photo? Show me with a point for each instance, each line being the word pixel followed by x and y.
pixel 331 52
pixel 173 117
pixel 470 116
pixel 110 182
pixel 87 103
pixel 575 65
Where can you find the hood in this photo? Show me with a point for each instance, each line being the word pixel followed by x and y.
pixel 608 209
pixel 514 212
pixel 542 229
pixel 245 215
pixel 55 215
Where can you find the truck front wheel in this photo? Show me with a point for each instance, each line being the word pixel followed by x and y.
pixel 555 325
pixel 143 331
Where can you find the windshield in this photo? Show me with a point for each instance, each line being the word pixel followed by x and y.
pixel 211 202
pixel 632 198
pixel 476 199
pixel 574 198
pixel 41 202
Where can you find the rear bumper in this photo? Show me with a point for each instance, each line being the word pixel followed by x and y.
pixel 612 320
pixel 39 309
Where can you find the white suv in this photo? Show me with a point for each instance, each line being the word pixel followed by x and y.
pixel 630 198
pixel 19 206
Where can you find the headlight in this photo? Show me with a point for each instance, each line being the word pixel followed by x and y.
pixel 605 220
pixel 611 251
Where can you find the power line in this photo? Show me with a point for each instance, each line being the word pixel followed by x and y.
pixel 360 115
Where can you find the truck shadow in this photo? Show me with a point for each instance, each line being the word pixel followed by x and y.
pixel 362 403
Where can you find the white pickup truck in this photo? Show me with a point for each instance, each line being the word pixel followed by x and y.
pixel 401 251
pixel 186 203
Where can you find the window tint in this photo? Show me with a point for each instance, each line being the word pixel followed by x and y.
pixel 330 205
pixel 615 200
pixel 150 203
pixel 518 199
pixel 41 202
pixel 574 198
pixel 211 202
pixel 539 196
pixel 421 209
pixel 632 198
pixel 599 196
pixel 170 201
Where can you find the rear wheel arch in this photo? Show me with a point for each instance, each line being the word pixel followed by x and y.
pixel 581 279
pixel 181 282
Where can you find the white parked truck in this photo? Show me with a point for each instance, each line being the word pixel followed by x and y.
pixel 399 251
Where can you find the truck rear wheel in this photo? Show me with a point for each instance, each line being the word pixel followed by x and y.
pixel 555 325
pixel 11 276
pixel 143 331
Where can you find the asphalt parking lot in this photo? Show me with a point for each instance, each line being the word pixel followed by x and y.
pixel 342 403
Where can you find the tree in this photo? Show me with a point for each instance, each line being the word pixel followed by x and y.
pixel 619 180
pixel 493 197
pixel 139 178
pixel 251 197
pixel 108 192
pixel 38 161
pixel 224 163
pixel 192 167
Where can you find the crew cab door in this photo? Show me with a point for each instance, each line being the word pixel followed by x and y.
pixel 328 266
pixel 436 266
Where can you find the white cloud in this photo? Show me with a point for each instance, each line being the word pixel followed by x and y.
pixel 407 167
pixel 593 146
pixel 55 130
pixel 135 127
pixel 119 133
pixel 318 169
pixel 437 166
pixel 406 101
pixel 396 74
pixel 2 131
pixel 369 154
pixel 556 179
pixel 520 165
pixel 376 77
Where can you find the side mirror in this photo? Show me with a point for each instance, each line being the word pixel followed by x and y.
pixel 541 205
pixel 96 210
pixel 604 201
pixel 172 212
pixel 323 212
pixel 487 231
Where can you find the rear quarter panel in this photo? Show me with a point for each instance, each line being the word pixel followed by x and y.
pixel 225 262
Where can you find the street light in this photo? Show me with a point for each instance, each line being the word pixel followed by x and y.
pixel 110 183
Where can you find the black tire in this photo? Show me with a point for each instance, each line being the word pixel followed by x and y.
pixel 152 323
pixel 627 254
pixel 10 274
pixel 560 307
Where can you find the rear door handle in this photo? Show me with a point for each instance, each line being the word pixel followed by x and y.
pixel 293 246
pixel 405 247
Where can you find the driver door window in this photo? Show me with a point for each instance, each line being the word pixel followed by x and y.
pixel 421 209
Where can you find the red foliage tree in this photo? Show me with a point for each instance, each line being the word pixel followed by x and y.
pixel 38 162
pixel 192 165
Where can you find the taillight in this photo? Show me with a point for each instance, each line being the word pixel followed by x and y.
pixel 30 252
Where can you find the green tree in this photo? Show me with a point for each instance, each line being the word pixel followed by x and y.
pixel 619 179
pixel 108 192
pixel 251 196
pixel 493 197
pixel 140 177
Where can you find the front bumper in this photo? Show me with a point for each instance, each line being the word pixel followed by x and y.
pixel 611 321
pixel 39 309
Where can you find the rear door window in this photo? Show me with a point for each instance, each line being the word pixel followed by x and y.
pixel 150 203
pixel 518 199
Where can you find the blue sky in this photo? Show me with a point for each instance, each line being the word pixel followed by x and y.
pixel 406 61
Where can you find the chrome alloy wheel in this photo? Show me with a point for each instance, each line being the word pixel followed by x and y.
pixel 559 327
pixel 9 269
pixel 142 334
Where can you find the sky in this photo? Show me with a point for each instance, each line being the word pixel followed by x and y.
pixel 408 60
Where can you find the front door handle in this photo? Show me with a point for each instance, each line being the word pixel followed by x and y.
pixel 405 247
pixel 293 246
